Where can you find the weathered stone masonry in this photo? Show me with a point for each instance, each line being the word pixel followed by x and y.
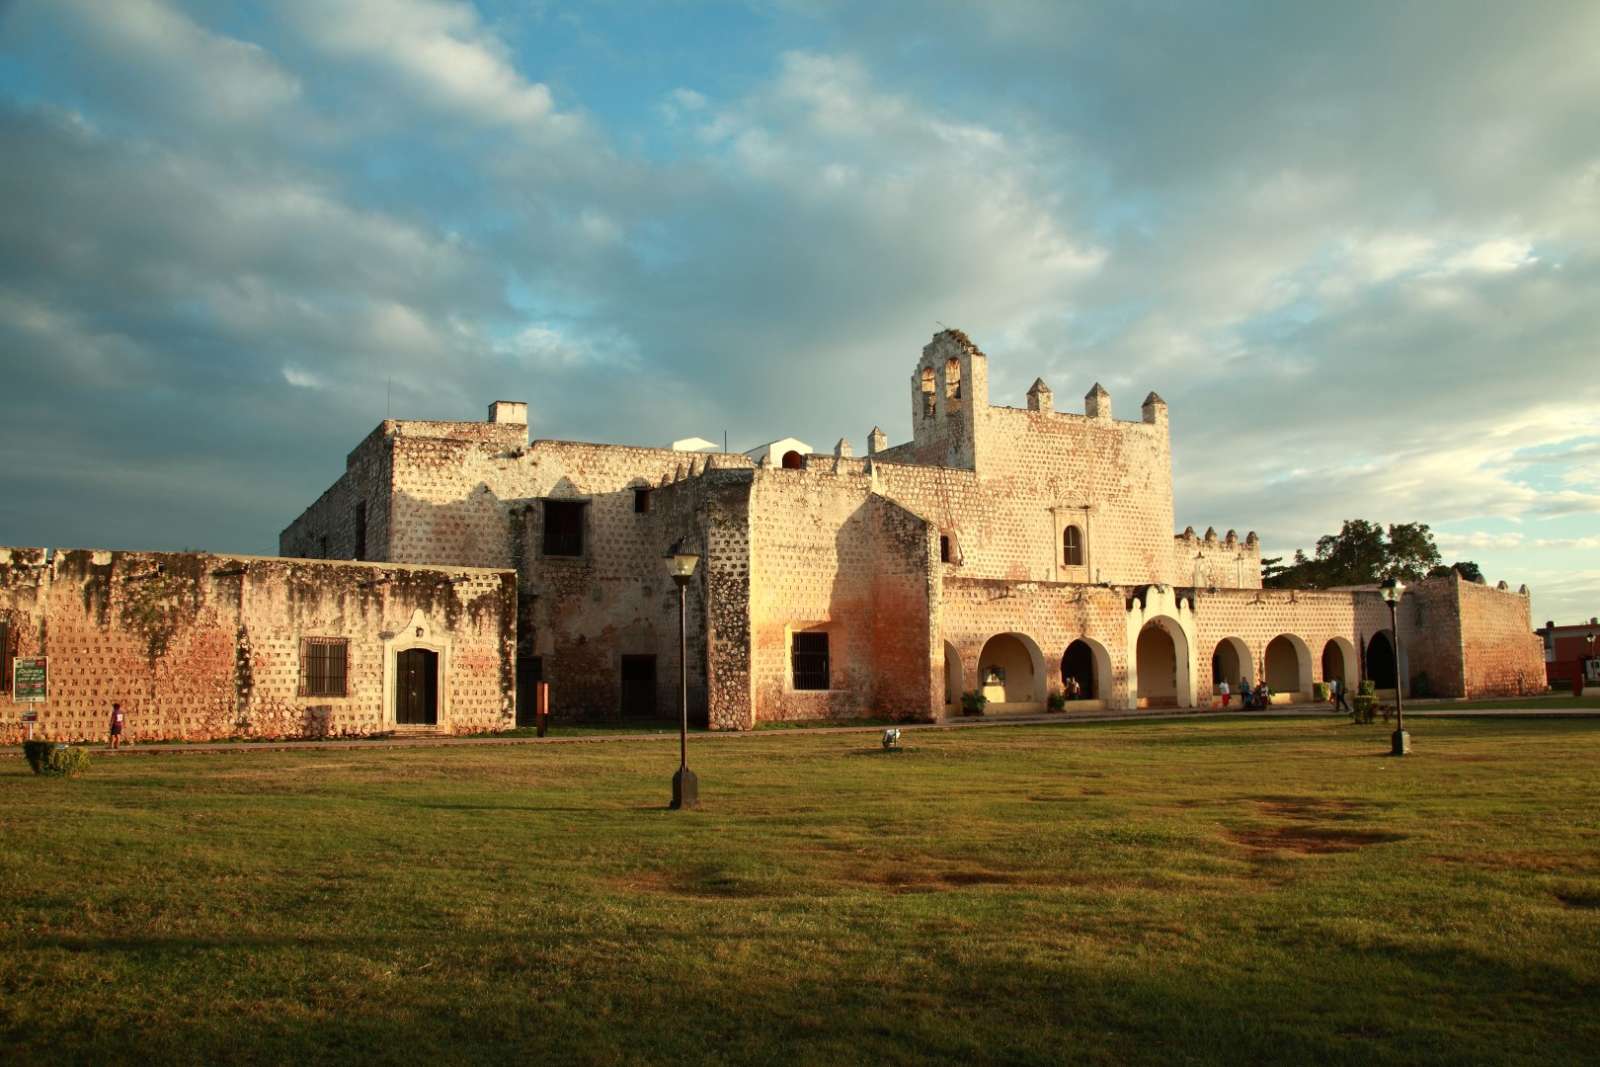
pixel 196 645
pixel 1000 550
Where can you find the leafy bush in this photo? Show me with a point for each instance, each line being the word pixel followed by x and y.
pixel 55 759
pixel 1057 700
pixel 973 702
pixel 1320 691
pixel 1361 707
pixel 1367 687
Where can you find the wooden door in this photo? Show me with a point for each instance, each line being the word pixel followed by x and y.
pixel 416 691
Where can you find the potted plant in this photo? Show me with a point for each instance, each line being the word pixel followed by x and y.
pixel 1319 691
pixel 973 701
pixel 1057 701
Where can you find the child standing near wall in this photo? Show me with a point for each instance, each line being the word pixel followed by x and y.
pixel 116 725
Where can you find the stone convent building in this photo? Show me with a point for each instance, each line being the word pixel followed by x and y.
pixel 1001 549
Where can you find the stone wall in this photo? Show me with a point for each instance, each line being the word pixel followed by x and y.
pixel 829 555
pixel 1503 657
pixel 198 646
pixel 1210 562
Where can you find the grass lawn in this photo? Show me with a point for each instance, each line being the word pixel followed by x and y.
pixel 1215 890
pixel 1546 702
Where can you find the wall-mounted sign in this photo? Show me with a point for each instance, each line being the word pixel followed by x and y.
pixel 29 680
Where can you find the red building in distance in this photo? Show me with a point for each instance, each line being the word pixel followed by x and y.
pixel 1566 646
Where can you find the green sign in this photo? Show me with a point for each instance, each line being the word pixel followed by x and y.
pixel 28 680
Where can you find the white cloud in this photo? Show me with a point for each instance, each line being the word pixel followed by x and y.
pixel 439 54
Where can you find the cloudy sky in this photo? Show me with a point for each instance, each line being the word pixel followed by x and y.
pixel 1356 247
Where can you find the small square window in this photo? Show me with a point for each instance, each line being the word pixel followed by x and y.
pixel 324 667
pixel 809 658
pixel 641 501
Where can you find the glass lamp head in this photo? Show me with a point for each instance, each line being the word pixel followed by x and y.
pixel 1392 588
pixel 680 561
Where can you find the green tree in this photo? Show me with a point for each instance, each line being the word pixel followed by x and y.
pixel 1361 554
pixel 1410 553
pixel 1468 570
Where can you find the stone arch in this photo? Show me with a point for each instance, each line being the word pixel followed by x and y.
pixel 1339 661
pixel 1088 661
pixel 1161 657
pixel 1230 662
pixel 954 684
pixel 1286 665
pixel 1016 666
pixel 952 378
pixel 1381 666
pixel 793 461
pixel 930 400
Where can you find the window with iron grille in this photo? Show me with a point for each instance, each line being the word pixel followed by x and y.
pixel 324 666
pixel 809 656
pixel 563 527
pixel 1072 547
pixel 5 657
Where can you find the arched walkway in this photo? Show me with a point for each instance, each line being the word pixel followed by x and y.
pixel 1011 670
pixel 1339 661
pixel 953 685
pixel 1231 663
pixel 1287 665
pixel 1162 655
pixel 1380 661
pixel 1089 662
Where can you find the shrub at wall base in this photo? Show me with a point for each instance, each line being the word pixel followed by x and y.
pixel 54 759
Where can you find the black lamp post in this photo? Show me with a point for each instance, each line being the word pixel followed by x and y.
pixel 685 786
pixel 1401 741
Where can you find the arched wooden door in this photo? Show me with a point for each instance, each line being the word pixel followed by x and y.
pixel 416 690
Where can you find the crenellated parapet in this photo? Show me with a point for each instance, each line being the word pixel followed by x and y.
pixel 1207 561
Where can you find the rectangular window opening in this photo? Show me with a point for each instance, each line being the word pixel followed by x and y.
pixel 324 667
pixel 641 501
pixel 563 527
pixel 361 530
pixel 944 549
pixel 809 658
pixel 5 657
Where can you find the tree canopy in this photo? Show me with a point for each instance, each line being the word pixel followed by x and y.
pixel 1363 553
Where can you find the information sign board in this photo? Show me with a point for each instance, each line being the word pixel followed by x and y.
pixel 29 680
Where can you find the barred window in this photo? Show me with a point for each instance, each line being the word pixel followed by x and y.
pixel 324 666
pixel 809 655
pixel 563 527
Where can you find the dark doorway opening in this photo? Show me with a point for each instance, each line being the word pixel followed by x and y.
pixel 1380 661
pixel 639 687
pixel 793 461
pixel 416 691
pixel 530 672
pixel 1078 663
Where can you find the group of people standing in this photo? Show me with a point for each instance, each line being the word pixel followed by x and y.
pixel 1261 695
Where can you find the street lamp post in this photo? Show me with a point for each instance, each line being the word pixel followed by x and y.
pixel 685 786
pixel 1401 741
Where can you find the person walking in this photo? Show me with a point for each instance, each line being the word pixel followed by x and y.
pixel 116 725
pixel 1339 702
pixel 1222 690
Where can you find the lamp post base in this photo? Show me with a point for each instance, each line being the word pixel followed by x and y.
pixel 1400 743
pixel 685 789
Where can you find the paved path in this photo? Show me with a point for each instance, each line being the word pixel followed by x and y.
pixel 1281 712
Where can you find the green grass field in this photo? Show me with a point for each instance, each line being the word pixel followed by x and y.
pixel 1201 891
